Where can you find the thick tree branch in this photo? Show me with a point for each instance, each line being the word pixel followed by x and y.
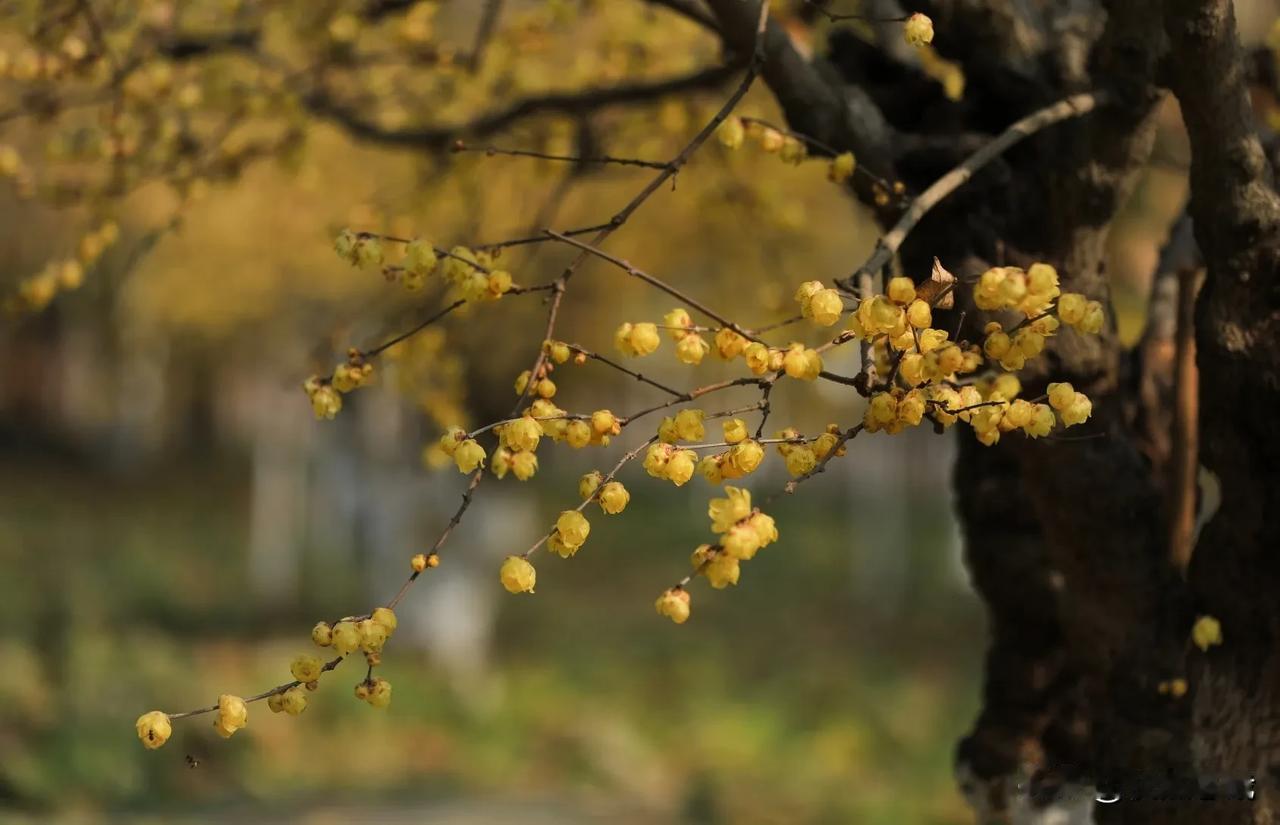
pixel 1232 574
pixel 811 95
pixel 320 104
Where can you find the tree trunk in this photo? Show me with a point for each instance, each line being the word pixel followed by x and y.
pixel 1068 540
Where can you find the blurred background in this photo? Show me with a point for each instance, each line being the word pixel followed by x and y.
pixel 173 520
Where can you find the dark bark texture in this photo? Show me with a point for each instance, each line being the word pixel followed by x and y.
pixel 1069 540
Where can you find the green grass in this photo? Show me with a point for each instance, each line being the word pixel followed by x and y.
pixel 783 700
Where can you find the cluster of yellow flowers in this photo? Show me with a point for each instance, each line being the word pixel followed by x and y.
pixel 802 455
pixel 930 366
pixel 367 635
pixel 735 131
pixel 325 394
pixel 743 531
pixel 471 273
pixel 38 291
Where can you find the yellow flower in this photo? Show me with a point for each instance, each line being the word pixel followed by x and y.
pixel 643 339
pixel 420 562
pixel 558 350
pixel 804 296
pixel 614 498
pixel 578 434
pixel 1071 308
pixel 731 133
pixel 154 729
pixel 1061 395
pixel 656 458
pixel 451 439
pixel 293 701
pixel 521 434
pixel 911 408
pixel 825 307
pixel 691 349
pixel 1041 423
pixel 386 617
pixel 680 467
pixel 721 571
pixel 556 545
pixel 517 575
pixel 1028 342
pixel 1206 632
pixel 1093 318
pixel 326 402
pixel 802 363
pixel 997 345
pixel 1042 279
pixel 743 459
pixel 322 634
pixel 380 693
pixel 918 30
pixel 678 318
pixel 604 422
pixel 841 168
pixel 1078 411
pixel 689 425
pixel 765 528
pixel 883 408
pixel 727 511
pixel 346 638
pixel 757 356
pixel 793 150
pixel 589 483
pixel 729 344
pixel 573 528
pixel 735 430
pixel 523 465
pixel 801 460
pixel 622 338
pixel 741 541
pixel 771 140
pixel 420 258
pixel 919 314
pixel 709 467
pixel 901 290
pixel 372 635
pixel 233 715
pixel 1020 413
pixel 305 668
pixel 674 604
pixel 469 456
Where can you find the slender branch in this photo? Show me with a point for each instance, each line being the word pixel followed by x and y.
pixel 461 146
pixel 320 104
pixel 328 666
pixel 595 356
pixel 484 33
pixel 409 333
pixel 692 303
pixel 1071 107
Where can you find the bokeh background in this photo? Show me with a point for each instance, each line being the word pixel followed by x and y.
pixel 173 520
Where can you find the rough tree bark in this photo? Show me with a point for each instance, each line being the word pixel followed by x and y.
pixel 1068 541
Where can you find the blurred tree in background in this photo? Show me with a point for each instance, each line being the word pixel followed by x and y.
pixel 175 174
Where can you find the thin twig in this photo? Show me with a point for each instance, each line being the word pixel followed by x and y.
pixel 1071 107
pixel 491 151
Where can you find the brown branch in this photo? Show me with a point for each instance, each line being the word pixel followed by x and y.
pixel 891 242
pixel 658 283
pixel 1184 458
pixel 320 104
pixel 460 146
